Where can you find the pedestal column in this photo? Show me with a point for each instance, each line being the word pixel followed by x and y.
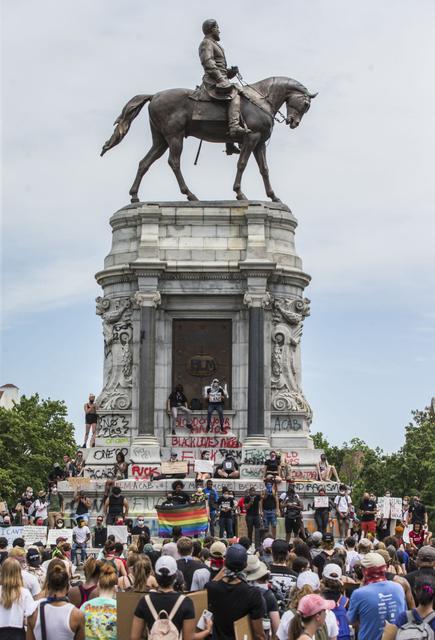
pixel 257 303
pixel 148 302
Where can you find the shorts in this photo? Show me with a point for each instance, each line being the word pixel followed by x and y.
pixel 292 526
pixel 369 526
pixel 91 418
pixel 269 517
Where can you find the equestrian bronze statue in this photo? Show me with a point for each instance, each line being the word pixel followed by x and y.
pixel 218 111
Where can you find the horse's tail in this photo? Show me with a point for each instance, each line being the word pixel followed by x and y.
pixel 123 122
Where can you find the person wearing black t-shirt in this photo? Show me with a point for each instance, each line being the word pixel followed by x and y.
pixel 226 510
pixel 177 403
pixel 115 506
pixel 167 599
pixel 253 515
pixel 232 598
pixel 215 397
pixel 179 497
pixel 417 512
pixel 269 506
pixel 367 510
pixel 272 467
pixel 228 468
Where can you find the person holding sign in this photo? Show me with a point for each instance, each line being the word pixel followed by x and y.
pixel 322 509
pixel 215 397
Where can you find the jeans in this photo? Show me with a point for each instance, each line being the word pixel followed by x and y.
pixel 182 410
pixel 215 406
pixel 251 523
pixel 269 516
pixel 76 548
pixel 226 524
pixel 322 519
pixel 212 522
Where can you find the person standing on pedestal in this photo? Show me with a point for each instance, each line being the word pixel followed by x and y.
pixel 90 420
pixel 215 397
pixel 177 403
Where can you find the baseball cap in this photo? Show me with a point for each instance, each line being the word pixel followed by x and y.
pixel 33 557
pixel 332 571
pixel 372 559
pixel 61 539
pixel 308 578
pixel 426 553
pixel 280 546
pixel 328 537
pixel 236 557
pixel 218 549
pixel 267 543
pixel 168 563
pixel 316 536
pixel 312 604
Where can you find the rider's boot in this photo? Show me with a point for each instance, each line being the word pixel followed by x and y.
pixel 231 148
pixel 234 118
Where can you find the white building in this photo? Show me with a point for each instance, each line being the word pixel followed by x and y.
pixel 9 394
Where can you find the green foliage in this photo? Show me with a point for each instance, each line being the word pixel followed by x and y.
pixel 409 471
pixel 33 436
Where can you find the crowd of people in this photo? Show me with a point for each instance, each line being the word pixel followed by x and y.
pixel 316 587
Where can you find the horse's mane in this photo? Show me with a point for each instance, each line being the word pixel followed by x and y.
pixel 264 85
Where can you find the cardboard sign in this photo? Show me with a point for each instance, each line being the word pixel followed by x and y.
pixel 126 604
pixel 321 501
pixel 169 468
pixel 54 534
pixel 78 483
pixel 242 629
pixel 33 534
pixel 3 507
pixel 389 507
pixel 204 466
pixel 200 602
pixel 119 531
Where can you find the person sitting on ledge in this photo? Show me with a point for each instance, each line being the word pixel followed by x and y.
pixel 272 466
pixel 228 468
pixel 177 403
pixel 325 471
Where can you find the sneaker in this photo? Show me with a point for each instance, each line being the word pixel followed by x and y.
pixel 189 426
pixel 84 446
pixel 173 432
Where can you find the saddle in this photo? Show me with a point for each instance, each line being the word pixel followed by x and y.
pixel 205 108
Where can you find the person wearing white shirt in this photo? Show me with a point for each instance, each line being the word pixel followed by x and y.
pixel 81 536
pixel 17 606
pixel 342 503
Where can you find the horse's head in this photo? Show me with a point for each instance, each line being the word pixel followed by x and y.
pixel 298 103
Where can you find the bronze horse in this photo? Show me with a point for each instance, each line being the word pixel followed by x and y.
pixel 171 120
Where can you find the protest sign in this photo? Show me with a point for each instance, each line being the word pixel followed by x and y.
pixel 321 501
pixel 32 534
pixel 169 468
pixel 10 533
pixel 54 534
pixel 126 604
pixel 78 483
pixel 242 629
pixel 119 531
pixel 203 466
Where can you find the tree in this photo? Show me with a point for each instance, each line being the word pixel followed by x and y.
pixel 33 436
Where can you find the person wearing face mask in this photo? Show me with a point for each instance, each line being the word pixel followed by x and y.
pixel 272 466
pixel 226 509
pixel 141 529
pixel 55 506
pixel 24 505
pixel 343 504
pixel 81 537
pixel 39 509
pixel 258 575
pixel 100 533
pixel 215 397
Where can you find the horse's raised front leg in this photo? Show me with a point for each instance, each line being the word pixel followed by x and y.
pixel 175 149
pixel 260 156
pixel 158 149
pixel 248 145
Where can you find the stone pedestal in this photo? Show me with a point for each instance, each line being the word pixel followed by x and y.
pixel 232 261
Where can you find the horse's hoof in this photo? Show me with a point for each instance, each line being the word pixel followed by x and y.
pixel 192 197
pixel 241 196
pixel 275 199
pixel 134 199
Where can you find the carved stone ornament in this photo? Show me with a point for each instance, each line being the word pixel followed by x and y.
pixel 287 321
pixel 263 300
pixel 144 299
pixel 116 315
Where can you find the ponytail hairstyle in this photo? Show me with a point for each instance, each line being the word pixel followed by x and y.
pixel 58 578
pixel 108 578
pixel 298 594
pixel 297 625
pixel 11 582
pixel 424 589
pixel 91 569
pixel 53 563
pixel 142 571
pixel 109 547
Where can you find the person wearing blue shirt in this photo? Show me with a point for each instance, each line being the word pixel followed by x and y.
pixel 212 498
pixel 377 602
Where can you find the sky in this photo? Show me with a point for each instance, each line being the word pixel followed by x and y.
pixel 357 174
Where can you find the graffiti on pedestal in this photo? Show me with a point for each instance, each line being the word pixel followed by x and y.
pixel 199 424
pixel 286 424
pixel 105 454
pixel 143 472
pixel 113 425
pixel 256 456
pixel 99 473
pixel 302 474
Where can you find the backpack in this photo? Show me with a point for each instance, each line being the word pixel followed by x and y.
pixel 163 627
pixel 341 617
pixel 412 630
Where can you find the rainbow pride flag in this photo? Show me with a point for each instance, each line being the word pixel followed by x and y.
pixel 192 518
